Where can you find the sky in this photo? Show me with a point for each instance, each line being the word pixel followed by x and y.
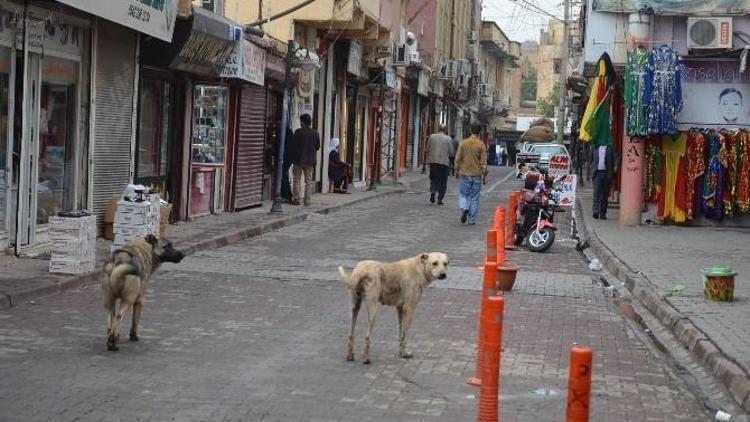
pixel 518 20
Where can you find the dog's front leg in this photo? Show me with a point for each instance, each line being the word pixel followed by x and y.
pixel 404 318
pixel 356 305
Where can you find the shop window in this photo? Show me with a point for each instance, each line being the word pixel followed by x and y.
pixel 154 122
pixel 209 124
pixel 57 133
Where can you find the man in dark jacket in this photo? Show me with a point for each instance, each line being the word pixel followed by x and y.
pixel 602 169
pixel 307 142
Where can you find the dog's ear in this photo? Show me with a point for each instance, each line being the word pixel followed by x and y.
pixel 424 257
pixel 152 239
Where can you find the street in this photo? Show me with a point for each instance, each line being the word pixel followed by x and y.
pixel 256 331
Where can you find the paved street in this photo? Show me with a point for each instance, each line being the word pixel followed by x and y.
pixel 256 331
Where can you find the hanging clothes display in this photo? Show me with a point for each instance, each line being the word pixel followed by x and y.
pixel 713 183
pixel 733 166
pixel 743 184
pixel 672 198
pixel 638 91
pixel 653 171
pixel 696 167
pixel 665 100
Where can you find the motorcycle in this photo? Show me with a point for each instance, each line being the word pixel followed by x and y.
pixel 537 222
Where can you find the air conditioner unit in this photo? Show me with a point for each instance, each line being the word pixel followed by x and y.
pixel 472 53
pixel 449 70
pixel 709 33
pixel 463 80
pixel 464 67
pixel 402 52
pixel 484 90
pixel 414 57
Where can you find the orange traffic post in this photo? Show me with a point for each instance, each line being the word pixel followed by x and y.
pixel 579 384
pixel 489 289
pixel 491 245
pixel 510 231
pixel 489 409
pixel 500 242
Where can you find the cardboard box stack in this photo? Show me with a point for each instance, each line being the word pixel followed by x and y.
pixel 136 219
pixel 73 244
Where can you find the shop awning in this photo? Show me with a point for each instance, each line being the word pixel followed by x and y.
pixel 208 42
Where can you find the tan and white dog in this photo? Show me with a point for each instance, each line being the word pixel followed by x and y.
pixel 398 284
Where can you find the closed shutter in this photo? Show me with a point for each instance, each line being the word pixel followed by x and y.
pixel 115 72
pixel 248 181
pixel 410 138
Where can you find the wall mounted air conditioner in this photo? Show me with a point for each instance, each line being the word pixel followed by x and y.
pixel 709 33
pixel 473 37
pixel 484 90
pixel 464 67
pixel 414 57
pixel 449 70
pixel 383 52
pixel 463 80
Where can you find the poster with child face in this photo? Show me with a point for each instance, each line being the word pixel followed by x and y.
pixel 715 94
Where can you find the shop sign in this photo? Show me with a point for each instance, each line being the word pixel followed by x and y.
pixel 423 84
pixel 247 62
pixel 44 37
pixel 565 193
pixel 559 164
pixel 356 58
pixel 527 158
pixel 152 17
pixel 714 94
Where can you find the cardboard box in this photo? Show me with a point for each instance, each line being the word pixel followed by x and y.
pixel 109 216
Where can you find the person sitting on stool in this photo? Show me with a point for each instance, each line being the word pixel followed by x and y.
pixel 338 171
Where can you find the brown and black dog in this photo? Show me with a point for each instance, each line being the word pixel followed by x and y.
pixel 126 277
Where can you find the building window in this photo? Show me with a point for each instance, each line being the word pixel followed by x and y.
pixel 154 122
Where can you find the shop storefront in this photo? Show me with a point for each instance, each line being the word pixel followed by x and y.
pixel 184 114
pixel 44 91
pixel 275 74
pixel 246 69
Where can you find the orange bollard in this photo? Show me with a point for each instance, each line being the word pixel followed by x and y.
pixel 579 384
pixel 489 410
pixel 500 242
pixel 492 250
pixel 510 232
pixel 489 289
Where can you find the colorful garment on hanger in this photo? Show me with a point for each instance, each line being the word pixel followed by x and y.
pixel 638 91
pixel 743 183
pixel 733 147
pixel 696 166
pixel 666 94
pixel 653 171
pixel 713 182
pixel 605 78
pixel 673 200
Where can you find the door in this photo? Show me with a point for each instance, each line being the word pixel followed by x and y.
pixel 48 157
pixel 248 182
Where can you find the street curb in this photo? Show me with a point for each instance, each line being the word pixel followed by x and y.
pixel 189 248
pixel 734 378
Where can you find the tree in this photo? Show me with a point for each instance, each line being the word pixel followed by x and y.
pixel 546 106
pixel 528 86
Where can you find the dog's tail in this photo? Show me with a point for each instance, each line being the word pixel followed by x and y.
pixel 346 278
pixel 120 271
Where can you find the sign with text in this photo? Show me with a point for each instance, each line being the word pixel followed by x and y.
pixel 356 58
pixel 152 17
pixel 565 194
pixel 247 62
pixel 559 164
pixel 527 158
pixel 714 94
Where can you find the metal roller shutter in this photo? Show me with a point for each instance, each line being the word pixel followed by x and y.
pixel 248 182
pixel 115 72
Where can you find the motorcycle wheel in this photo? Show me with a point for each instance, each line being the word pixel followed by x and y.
pixel 541 240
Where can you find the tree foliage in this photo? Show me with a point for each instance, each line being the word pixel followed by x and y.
pixel 546 106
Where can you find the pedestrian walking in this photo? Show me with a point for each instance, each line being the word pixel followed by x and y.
pixel 439 149
pixel 307 142
pixel 602 168
pixel 452 157
pixel 471 167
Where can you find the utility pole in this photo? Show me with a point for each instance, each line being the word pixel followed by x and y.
pixel 564 71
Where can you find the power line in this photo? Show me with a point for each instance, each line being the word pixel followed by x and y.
pixel 538 9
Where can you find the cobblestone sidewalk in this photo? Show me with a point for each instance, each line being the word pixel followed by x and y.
pixel 661 265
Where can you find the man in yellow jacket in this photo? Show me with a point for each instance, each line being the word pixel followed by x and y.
pixel 471 166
